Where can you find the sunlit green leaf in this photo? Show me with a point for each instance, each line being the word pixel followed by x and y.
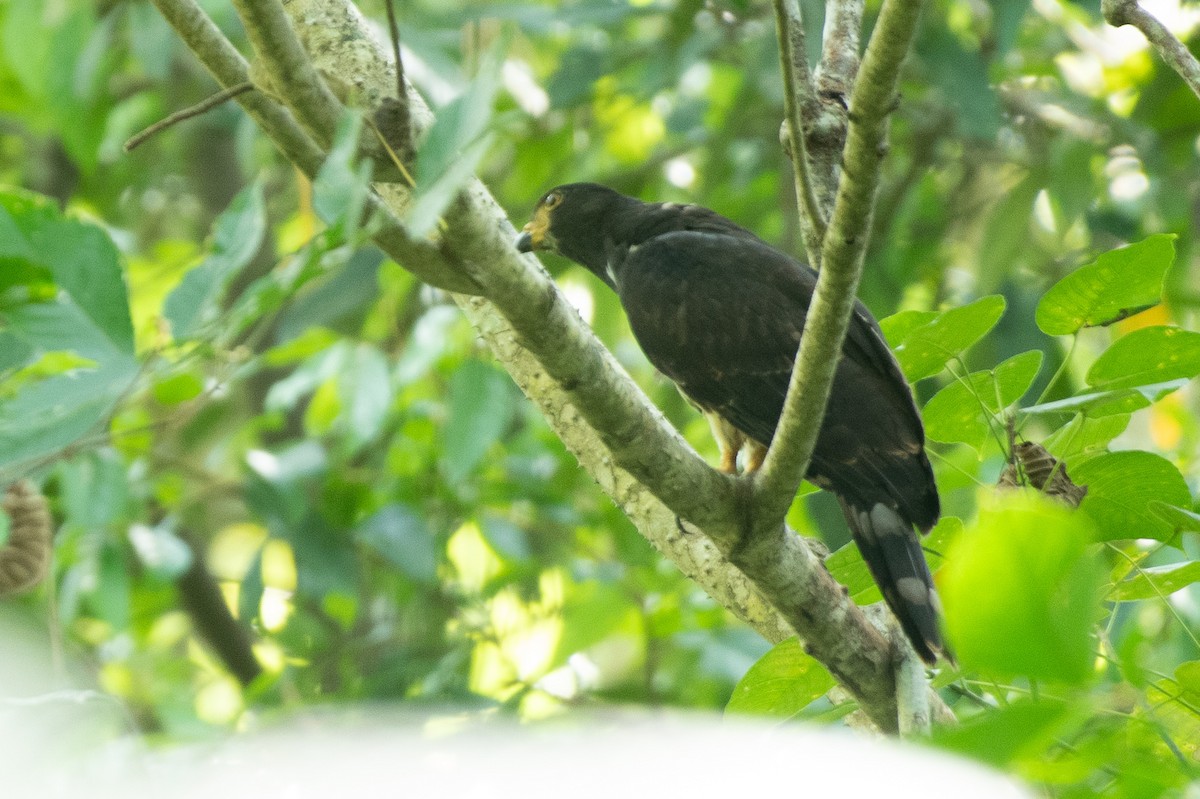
pixel 1114 401
pixel 1147 356
pixel 782 683
pixel 1121 486
pixel 925 350
pixel 967 410
pixel 177 388
pixel 1021 588
pixel 1117 284
pixel 1085 436
pixel 1156 581
pixel 1023 729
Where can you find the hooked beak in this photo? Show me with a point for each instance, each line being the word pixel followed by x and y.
pixel 525 242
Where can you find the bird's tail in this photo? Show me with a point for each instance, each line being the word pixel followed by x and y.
pixel 893 553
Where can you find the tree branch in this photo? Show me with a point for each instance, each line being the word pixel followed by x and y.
pixel 799 97
pixel 229 69
pixel 834 80
pixel 871 103
pixel 1173 51
pixel 552 354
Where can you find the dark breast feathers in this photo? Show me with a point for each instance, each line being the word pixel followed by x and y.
pixel 720 313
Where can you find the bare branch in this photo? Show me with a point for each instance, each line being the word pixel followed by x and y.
pixel 205 105
pixel 1173 51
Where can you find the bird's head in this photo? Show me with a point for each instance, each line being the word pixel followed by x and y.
pixel 570 220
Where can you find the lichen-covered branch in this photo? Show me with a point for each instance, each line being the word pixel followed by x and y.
pixel 229 68
pixel 1173 51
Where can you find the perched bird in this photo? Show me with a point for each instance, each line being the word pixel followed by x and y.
pixel 720 312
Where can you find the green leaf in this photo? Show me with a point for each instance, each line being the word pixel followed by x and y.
pixel 237 236
pixel 481 407
pixel 84 321
pixel 592 612
pixel 1121 487
pixel 1020 730
pixel 80 258
pixel 1116 285
pixel 455 144
pixel 965 410
pixel 364 392
pixel 402 536
pixel 342 184
pixel 1156 581
pixel 782 683
pixel 1085 436
pixel 1115 401
pixel 48 364
pixel 899 325
pixel 1147 356
pixel 1021 588
pixel 177 388
pixel 1181 519
pixel 925 350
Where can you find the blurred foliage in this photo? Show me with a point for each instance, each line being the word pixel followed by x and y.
pixel 200 358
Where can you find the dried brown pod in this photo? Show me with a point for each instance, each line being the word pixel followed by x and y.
pixel 25 558
pixel 1033 465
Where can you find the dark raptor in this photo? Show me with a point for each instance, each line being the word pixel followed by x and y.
pixel 719 312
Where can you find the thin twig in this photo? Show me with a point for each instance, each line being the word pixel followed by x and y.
pixel 196 110
pixel 797 93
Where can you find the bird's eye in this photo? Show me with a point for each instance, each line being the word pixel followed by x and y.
pixel 552 199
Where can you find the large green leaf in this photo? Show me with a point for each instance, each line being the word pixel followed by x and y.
pixel 924 351
pixel 237 235
pixel 1156 581
pixel 1117 284
pixel 1147 356
pixel 782 683
pixel 82 336
pixel 965 410
pixel 1121 487
pixel 1021 589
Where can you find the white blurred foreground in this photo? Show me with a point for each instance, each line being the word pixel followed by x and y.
pixel 76 743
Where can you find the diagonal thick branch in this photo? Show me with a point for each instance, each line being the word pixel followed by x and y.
pixel 1173 51
pixel 623 441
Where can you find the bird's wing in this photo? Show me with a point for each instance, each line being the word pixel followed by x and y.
pixel 722 317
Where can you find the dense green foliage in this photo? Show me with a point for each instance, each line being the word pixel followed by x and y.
pixel 203 356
